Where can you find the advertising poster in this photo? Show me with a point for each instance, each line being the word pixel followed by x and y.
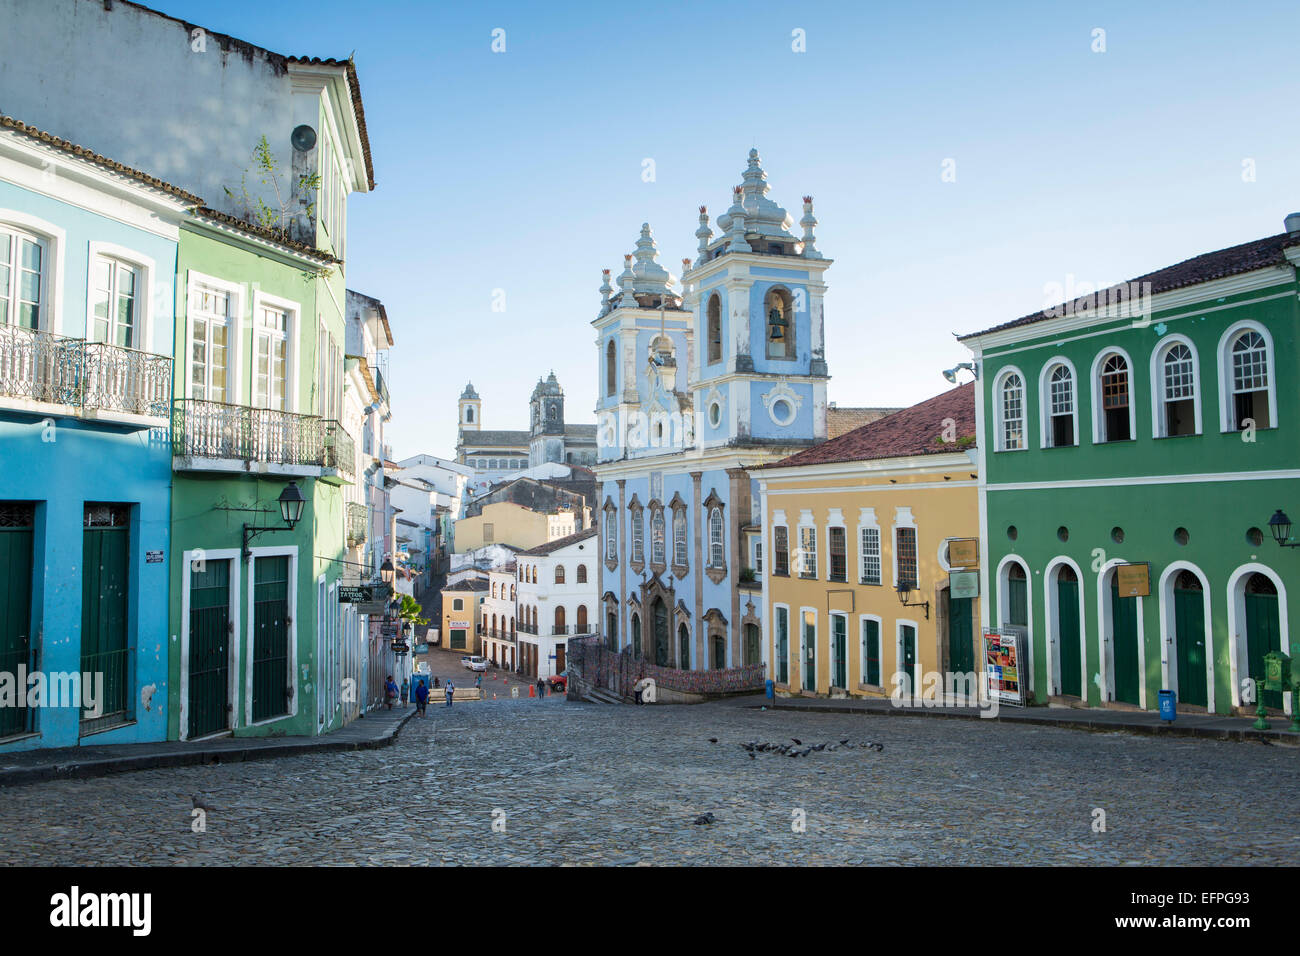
pixel 1002 661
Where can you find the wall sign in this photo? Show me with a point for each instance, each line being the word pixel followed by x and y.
pixel 1134 580
pixel 153 557
pixel 964 553
pixel 356 594
pixel 964 584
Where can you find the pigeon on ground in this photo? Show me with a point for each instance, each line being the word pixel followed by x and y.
pixel 705 818
pixel 201 802
pixel 819 747
pixel 797 740
pixel 713 740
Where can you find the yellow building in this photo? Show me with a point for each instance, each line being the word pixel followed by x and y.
pixel 846 524
pixel 460 614
pixel 504 522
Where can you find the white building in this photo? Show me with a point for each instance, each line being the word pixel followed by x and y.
pixel 497 617
pixel 556 598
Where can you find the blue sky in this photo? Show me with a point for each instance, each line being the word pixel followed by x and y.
pixel 522 170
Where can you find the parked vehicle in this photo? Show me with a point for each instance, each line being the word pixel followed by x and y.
pixel 477 663
pixel 465 659
pixel 559 682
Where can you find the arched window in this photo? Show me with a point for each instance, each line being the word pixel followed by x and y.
pixel 657 536
pixel 1059 408
pixel 636 635
pixel 638 536
pixel 560 627
pixel 679 537
pixel 1249 379
pixel 1010 410
pixel 1177 404
pixel 534 575
pixel 582 574
pixel 580 624
pixel 494 590
pixel 469 413
pixel 559 574
pixel 778 311
pixel 611 367
pixel 683 647
pixel 715 538
pixel 512 592
pixel 1114 422
pixel 611 542
pixel 715 328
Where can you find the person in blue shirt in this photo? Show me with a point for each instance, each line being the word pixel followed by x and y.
pixel 451 689
pixel 421 697
pixel 390 691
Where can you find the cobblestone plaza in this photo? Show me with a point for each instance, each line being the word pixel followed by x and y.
pixel 573 783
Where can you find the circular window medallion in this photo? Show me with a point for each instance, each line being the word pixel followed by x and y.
pixel 782 412
pixel 1181 535
pixel 1117 535
pixel 1063 533
pixel 715 414
pixel 1012 532
pixel 1255 537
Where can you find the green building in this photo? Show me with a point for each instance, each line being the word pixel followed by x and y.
pixel 1148 424
pixel 255 622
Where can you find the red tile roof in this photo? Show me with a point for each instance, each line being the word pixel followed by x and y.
pixel 1232 261
pixel 841 421
pixel 913 431
pixel 552 546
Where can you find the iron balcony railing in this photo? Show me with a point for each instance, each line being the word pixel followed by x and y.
pixel 560 629
pixel 60 370
pixel 202 429
pixel 528 628
pixel 358 523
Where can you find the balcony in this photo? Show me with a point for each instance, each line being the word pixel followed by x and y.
pixel 560 629
pixel 47 374
pixel 358 521
pixel 214 436
pixel 527 629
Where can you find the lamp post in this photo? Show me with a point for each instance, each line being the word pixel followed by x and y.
pixel 904 591
pixel 951 373
pixel 291 504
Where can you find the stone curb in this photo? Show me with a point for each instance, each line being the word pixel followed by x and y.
pixel 1069 723
pixel 85 769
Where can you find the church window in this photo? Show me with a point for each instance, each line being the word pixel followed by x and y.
pixel 778 309
pixel 657 536
pixel 715 538
pixel 715 329
pixel 611 367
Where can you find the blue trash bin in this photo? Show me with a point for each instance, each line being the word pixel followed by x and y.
pixel 1168 705
pixel 771 690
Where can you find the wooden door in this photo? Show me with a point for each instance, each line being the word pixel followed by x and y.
pixel 105 574
pixel 1067 633
pixel 209 649
pixel 961 646
pixel 1189 639
pixel 17 531
pixel 271 637
pixel 1124 638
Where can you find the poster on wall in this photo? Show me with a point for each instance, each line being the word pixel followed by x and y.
pixel 1004 680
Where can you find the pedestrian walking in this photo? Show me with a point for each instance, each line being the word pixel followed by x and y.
pixel 541 687
pixel 406 691
pixel 390 691
pixel 421 697
pixel 478 682
pixel 451 690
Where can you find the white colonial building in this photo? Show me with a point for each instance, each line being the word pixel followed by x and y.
pixel 497 617
pixel 556 598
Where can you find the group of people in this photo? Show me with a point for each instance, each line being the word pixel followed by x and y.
pixel 392 692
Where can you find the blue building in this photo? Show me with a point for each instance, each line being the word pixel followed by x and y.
pixel 700 380
pixel 87 294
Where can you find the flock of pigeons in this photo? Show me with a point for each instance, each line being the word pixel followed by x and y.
pixel 799 750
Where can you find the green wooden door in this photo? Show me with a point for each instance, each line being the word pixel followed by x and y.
pixel 1263 631
pixel 1189 642
pixel 661 632
pixel 719 652
pixel 871 653
pixel 209 661
pixel 683 647
pixel 839 651
pixel 1124 638
pixel 809 651
pixel 782 646
pixel 1067 637
pixel 961 646
pixel 16 539
pixel 1017 611
pixel 105 560
pixel 753 654
pixel 270 637
pixel 907 639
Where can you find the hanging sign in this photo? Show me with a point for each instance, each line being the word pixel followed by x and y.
pixel 1004 681
pixel 1134 580
pixel 964 552
pixel 356 594
pixel 964 584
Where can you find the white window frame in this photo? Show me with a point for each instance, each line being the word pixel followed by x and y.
pixel 999 423
pixel 235 557
pixel 1227 405
pixel 1045 401
pixel 835 519
pixel 146 275
pixel 234 333
pixel 903 518
pixel 806 523
pixel 292 345
pixel 53 241
pixel 717 539
pixel 867 521
pixel 1099 413
pixel 1158 397
pixel 862 648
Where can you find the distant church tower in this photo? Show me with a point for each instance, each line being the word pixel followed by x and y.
pixel 471 409
pixel 546 423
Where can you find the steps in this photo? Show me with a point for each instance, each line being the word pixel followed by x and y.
pixel 602 695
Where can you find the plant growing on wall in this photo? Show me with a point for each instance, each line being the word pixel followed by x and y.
pixel 267 169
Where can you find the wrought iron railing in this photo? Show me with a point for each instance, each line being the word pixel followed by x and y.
pixel 560 629
pixel 528 628
pixel 216 430
pixel 57 369
pixel 358 523
pixel 339 448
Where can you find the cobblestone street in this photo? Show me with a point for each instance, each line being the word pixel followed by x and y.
pixel 590 784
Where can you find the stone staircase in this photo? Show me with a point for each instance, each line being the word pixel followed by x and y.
pixel 603 695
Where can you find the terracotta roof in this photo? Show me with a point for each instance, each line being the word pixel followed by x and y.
pixel 354 85
pixel 913 431
pixel 1232 261
pixel 269 234
pixel 840 421
pixel 552 546
pixel 476 584
pixel 8 122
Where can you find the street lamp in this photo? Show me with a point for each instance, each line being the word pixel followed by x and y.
pixel 1280 525
pixel 904 591
pixel 291 505
pixel 951 373
pixel 386 572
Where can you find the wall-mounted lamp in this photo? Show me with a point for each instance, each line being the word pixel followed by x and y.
pixel 904 591
pixel 291 505
pixel 951 373
pixel 1280 525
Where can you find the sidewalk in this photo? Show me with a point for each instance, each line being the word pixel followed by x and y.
pixel 379 728
pixel 1211 726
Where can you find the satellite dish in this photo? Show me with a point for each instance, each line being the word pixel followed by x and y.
pixel 303 138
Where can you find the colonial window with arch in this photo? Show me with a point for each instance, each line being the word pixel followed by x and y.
pixel 582 574
pixel 1248 381
pixel 714 516
pixel 611 534
pixel 1177 401
pixel 778 313
pixel 681 558
pixel 1113 389
pixel 559 574
pixel 716 534
pixel 1009 409
pixel 658 553
pixel 713 323
pixel 611 368
pixel 636 635
pixel 637 517
pixel 24 278
pixel 1059 406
